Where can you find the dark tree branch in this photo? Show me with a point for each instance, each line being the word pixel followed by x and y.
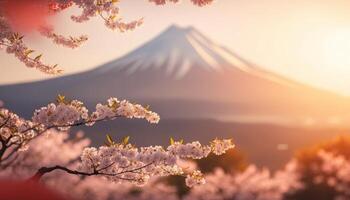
pixel 2 149
pixel 5 146
pixel 44 170
pixel 81 123
pixel 5 122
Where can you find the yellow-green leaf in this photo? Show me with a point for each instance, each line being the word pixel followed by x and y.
pixel 29 51
pixel 172 141
pixel 126 140
pixel 112 17
pixel 109 139
pixel 61 99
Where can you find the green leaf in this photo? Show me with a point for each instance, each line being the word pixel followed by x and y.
pixel 126 140
pixel 181 141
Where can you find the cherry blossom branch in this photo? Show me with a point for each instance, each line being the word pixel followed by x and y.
pixel 44 170
pixel 81 123
pixel 116 161
pixel 71 42
pixel 62 115
pixel 164 161
pixel 14 45
pixel 107 161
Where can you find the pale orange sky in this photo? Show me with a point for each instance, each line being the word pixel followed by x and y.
pixel 305 40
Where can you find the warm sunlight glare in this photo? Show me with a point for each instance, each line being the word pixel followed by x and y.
pixel 336 48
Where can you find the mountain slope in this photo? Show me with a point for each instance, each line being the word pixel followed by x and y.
pixel 182 74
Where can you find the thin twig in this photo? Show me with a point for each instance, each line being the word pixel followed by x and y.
pixel 108 166
pixel 70 125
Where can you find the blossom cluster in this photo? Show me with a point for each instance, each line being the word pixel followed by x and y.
pixel 59 148
pixel 70 42
pixel 108 10
pixel 195 2
pixel 333 171
pixel 195 178
pixel 219 146
pixel 14 129
pixel 124 108
pixel 195 150
pixel 250 184
pixel 51 148
pixel 13 43
pixel 120 162
pixel 117 162
pixel 62 115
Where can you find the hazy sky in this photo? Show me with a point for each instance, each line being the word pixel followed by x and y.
pixel 305 40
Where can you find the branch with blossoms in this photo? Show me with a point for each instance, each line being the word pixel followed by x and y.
pixel 107 10
pixel 123 162
pixel 16 132
pixel 44 170
pixel 114 161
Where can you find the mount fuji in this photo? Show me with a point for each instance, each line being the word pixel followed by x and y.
pixel 183 74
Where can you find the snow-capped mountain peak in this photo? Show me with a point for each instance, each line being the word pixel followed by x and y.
pixel 183 74
pixel 176 51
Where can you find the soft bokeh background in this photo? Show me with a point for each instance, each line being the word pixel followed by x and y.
pixel 305 40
